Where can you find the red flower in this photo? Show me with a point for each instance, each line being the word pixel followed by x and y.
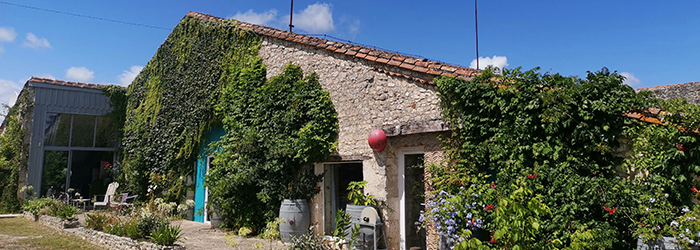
pixel 489 207
pixel 532 176
pixel 681 148
pixel 610 210
pixel 106 164
pixel 492 239
pixel 493 185
pixel 694 189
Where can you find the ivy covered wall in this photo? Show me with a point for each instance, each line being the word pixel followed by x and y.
pixel 14 151
pixel 171 103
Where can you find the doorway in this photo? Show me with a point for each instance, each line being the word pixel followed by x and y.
pixel 338 176
pixel 411 198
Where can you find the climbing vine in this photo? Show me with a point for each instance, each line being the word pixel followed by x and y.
pixel 275 130
pixel 171 102
pixel 564 168
pixel 14 151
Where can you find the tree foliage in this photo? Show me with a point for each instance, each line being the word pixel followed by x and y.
pixel 275 129
pixel 14 151
pixel 561 144
pixel 171 102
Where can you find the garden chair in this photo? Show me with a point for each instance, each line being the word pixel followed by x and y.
pixel 107 198
pixel 123 200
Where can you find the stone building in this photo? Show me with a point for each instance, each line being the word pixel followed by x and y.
pixel 370 89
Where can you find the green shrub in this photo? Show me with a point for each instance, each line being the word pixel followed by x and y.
pixel 132 230
pixel 149 223
pixel 97 221
pixel 41 206
pixel 166 235
pixel 309 240
pixel 116 228
pixel 67 212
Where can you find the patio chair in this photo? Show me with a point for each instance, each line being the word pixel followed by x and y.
pixel 123 200
pixel 107 198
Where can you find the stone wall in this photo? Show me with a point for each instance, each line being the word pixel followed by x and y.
pixel 98 238
pixel 689 91
pixel 366 98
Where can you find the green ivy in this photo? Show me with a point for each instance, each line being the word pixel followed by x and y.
pixel 171 102
pixel 14 151
pixel 560 134
pixel 275 129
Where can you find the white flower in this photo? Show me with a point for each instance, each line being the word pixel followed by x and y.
pixel 665 196
pixel 189 203
pixel 652 200
pixel 674 223
pixel 685 210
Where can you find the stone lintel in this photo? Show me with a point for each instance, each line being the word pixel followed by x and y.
pixel 415 128
pixel 336 158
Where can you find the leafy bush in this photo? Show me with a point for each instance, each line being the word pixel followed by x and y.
pixel 149 222
pixel 309 240
pixel 272 229
pixel 116 228
pixel 97 221
pixel 41 206
pixel 274 129
pixel 166 235
pixel 68 212
pixel 357 197
pixel 550 145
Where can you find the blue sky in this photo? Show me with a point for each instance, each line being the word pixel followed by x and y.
pixel 652 42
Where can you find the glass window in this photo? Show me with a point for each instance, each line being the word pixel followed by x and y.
pixel 57 129
pixel 53 179
pixel 106 132
pixel 83 131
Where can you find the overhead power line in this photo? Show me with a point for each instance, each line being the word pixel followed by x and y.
pixel 83 16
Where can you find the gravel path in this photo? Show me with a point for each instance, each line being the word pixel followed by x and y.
pixel 200 236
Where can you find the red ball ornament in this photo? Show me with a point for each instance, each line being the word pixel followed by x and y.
pixel 377 140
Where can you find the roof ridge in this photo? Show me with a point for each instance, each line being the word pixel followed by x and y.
pixel 666 86
pixel 65 83
pixel 406 62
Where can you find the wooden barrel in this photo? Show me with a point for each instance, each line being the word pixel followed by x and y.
pixel 296 219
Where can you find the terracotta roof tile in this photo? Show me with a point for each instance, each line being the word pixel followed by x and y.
pixel 420 65
pixel 394 63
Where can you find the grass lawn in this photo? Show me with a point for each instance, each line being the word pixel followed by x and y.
pixel 20 233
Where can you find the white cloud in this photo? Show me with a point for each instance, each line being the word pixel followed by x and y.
pixel 36 43
pixel 354 28
pixel 80 74
pixel 7 34
pixel 9 91
pixel 317 17
pixel 128 75
pixel 256 18
pixel 496 61
pixel 630 79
